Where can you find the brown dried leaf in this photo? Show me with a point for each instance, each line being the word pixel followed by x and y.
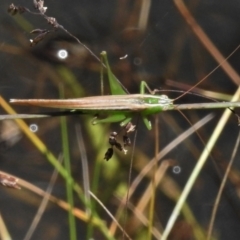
pixel 38 38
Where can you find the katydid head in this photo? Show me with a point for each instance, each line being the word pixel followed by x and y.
pixel 164 99
pixel 165 102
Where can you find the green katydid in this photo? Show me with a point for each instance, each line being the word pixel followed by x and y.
pixel 119 107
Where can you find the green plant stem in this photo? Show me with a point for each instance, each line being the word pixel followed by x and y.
pixel 69 180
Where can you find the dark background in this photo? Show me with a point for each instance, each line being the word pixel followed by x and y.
pixel 165 48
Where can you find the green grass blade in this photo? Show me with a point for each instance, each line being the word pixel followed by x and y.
pixel 69 182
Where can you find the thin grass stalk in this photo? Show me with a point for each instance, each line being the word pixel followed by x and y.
pixel 68 180
pixel 207 43
pixel 223 183
pixel 154 183
pixel 86 184
pixel 43 205
pixel 110 214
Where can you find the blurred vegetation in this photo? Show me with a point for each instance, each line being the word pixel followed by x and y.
pixel 160 46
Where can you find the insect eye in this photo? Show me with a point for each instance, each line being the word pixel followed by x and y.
pixel 164 99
